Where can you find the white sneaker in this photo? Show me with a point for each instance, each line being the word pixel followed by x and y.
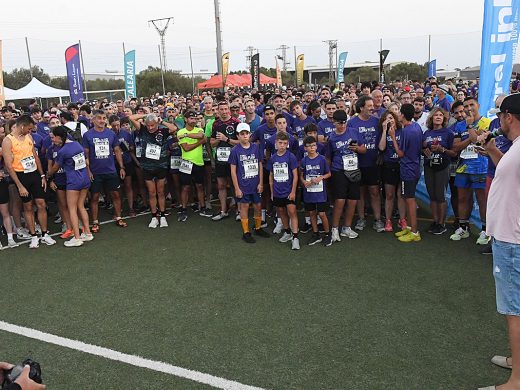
pixel 23 234
pixel 86 237
pixel 483 239
pixel 335 235
pixel 361 224
pixel 2 247
pixel 459 234
pixel 153 223
pixel 295 244
pixel 237 218
pixel 48 240
pixel 220 216
pixel 35 242
pixel 38 229
pixel 278 228
pixel 12 244
pixel 286 237
pixel 346 231
pixel 73 242
pixel 163 222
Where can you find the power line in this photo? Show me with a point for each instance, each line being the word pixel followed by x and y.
pixel 162 33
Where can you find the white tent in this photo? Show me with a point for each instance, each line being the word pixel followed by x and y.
pixel 35 89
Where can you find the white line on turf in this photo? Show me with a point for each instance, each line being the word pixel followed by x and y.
pixel 215 381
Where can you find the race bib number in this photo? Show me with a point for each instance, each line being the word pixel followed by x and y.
pixel 28 164
pixel 350 162
pixel 101 148
pixel 79 161
pixel 138 151
pixel 300 142
pixel 250 169
pixel 469 153
pixel 186 167
pixel 175 162
pixel 314 187
pixel 153 152
pixel 223 154
pixel 281 173
pixel 436 159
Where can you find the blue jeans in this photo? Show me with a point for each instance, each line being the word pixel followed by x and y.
pixel 506 270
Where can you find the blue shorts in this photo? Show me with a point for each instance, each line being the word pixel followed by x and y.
pixel 250 198
pixel 475 181
pixel 506 270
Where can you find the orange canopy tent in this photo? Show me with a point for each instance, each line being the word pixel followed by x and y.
pixel 215 82
pixel 234 80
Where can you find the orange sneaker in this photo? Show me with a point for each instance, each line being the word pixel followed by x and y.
pixel 403 224
pixel 67 234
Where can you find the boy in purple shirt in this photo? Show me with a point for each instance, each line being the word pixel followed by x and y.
pixel 314 170
pixel 409 152
pixel 283 179
pixel 247 175
pixel 326 126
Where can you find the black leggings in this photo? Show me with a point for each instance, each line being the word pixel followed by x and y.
pixel 436 183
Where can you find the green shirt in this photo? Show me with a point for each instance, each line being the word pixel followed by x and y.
pixel 195 155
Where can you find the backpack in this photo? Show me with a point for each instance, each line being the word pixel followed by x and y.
pixel 76 133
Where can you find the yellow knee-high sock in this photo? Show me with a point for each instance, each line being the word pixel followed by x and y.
pixel 245 225
pixel 258 222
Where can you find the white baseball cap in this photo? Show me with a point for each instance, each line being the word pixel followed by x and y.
pixel 243 127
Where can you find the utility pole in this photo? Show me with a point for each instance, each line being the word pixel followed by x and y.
pixel 218 36
pixel 283 57
pixel 251 51
pixel 162 32
pixel 333 46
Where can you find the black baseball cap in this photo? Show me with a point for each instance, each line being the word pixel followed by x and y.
pixel 190 114
pixel 340 116
pixel 268 107
pixel 511 105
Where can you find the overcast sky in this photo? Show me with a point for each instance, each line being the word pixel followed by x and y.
pixel 102 27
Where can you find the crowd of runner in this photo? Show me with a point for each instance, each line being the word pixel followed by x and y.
pixel 333 153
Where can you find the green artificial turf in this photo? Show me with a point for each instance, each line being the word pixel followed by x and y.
pixel 370 313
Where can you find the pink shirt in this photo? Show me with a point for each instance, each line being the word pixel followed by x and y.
pixel 503 206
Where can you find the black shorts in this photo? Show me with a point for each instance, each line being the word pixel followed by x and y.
pixel 266 178
pixel 390 174
pixel 319 207
pixel 105 181
pixel 222 170
pixel 408 188
pixel 61 187
pixel 207 163
pixel 156 174
pixel 370 176
pixel 196 176
pixel 33 184
pixel 282 202
pixel 130 168
pixel 343 188
pixel 4 191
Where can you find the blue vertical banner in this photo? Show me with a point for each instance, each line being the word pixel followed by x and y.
pixel 73 64
pixel 499 43
pixel 341 65
pixel 432 68
pixel 130 90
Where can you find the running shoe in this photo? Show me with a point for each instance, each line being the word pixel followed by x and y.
pixel 261 233
pixel 401 233
pixel 163 222
pixel 315 239
pixel 286 237
pixel 483 239
pixel 208 213
pixel 47 240
pixel 305 228
pixel 388 226
pixel 410 237
pixel 86 237
pixel 379 226
pixel 346 231
pixel 247 237
pixel 439 229
pixel 220 216
pixel 73 242
pixel 295 244
pixel 67 234
pixel 327 240
pixel 183 217
pixel 459 234
pixel 335 235
pixel 154 223
pixel 361 224
pixel 12 244
pixel 35 242
pixel 23 234
pixel 403 224
pixel 278 228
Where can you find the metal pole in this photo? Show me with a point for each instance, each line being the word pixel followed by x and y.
pixel 83 70
pixel 429 49
pixel 218 36
pixel 380 64
pixel 295 63
pixel 29 57
pixel 192 77
pixel 124 67
pixel 162 70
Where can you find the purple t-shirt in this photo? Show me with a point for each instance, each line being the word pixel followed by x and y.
pixel 337 148
pixel 270 144
pixel 43 129
pixel 59 177
pixel 71 158
pixel 126 141
pixel 262 133
pixel 247 162
pixel 443 137
pixel 298 126
pixel 378 112
pixel 100 145
pixel 313 168
pixel 411 145
pixel 502 142
pixel 282 169
pixel 390 155
pixel 369 131
pixel 325 127
pixel 320 148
